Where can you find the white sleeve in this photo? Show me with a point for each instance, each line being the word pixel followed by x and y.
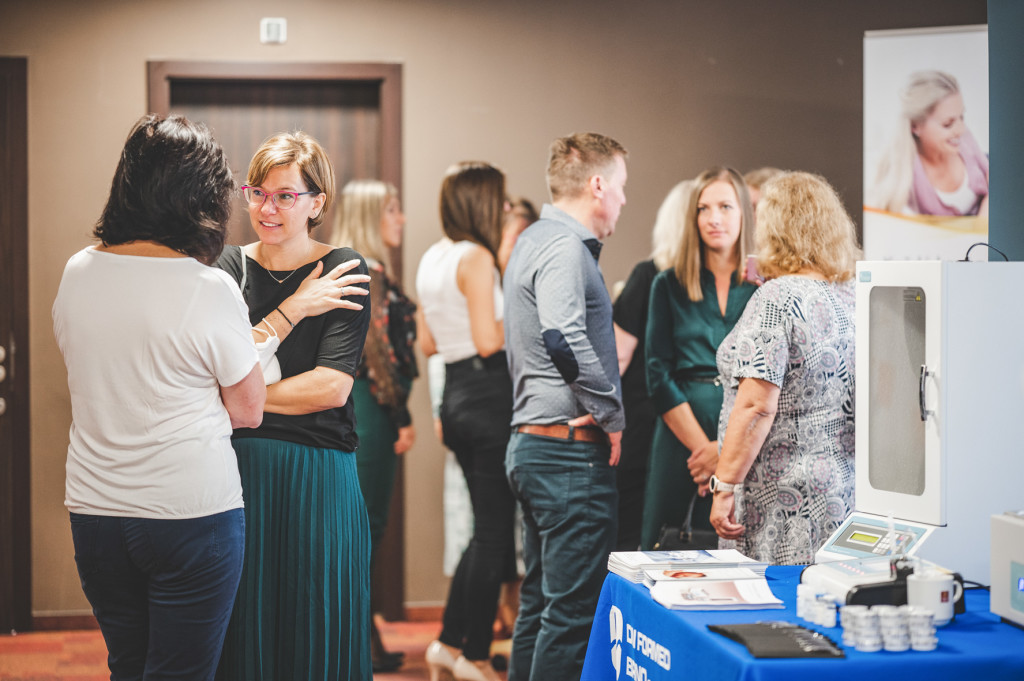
pixel 222 331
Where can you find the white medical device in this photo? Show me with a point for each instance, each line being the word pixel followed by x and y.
pixel 1006 594
pixel 939 408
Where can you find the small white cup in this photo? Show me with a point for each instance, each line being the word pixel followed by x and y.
pixel 924 643
pixel 868 643
pixel 920 619
pixel 848 612
pixel 935 590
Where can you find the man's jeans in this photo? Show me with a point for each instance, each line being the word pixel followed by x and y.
pixel 162 590
pixel 568 495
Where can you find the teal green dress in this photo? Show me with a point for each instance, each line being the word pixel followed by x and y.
pixel 682 339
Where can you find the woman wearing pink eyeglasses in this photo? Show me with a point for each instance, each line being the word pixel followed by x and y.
pixel 303 601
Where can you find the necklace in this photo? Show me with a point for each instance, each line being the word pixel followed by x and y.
pixel 289 275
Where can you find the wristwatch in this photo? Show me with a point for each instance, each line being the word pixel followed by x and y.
pixel 717 485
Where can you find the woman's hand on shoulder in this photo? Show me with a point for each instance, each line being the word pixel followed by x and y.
pixel 317 295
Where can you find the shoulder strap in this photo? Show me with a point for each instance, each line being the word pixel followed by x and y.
pixel 241 286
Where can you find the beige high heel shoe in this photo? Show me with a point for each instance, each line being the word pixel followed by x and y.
pixel 467 670
pixel 440 662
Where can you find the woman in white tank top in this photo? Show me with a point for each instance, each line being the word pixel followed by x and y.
pixel 460 297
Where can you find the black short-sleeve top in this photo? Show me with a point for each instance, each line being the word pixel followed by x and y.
pixel 333 340
pixel 630 313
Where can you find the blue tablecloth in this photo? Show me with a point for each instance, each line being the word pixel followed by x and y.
pixel 658 644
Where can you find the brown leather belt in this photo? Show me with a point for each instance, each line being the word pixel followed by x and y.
pixel 565 432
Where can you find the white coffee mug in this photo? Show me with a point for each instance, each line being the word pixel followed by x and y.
pixel 935 590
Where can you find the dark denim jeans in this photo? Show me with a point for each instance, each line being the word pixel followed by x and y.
pixel 569 500
pixel 476 414
pixel 162 590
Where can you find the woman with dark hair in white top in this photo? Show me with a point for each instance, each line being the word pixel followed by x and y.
pixel 460 296
pixel 161 365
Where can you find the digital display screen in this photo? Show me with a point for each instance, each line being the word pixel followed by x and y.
pixel 864 537
pixel 1020 584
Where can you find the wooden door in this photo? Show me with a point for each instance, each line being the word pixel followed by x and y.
pixel 354 111
pixel 15 521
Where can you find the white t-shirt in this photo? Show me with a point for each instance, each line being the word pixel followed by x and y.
pixel 147 343
pixel 444 306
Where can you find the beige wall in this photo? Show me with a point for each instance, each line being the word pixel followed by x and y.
pixel 682 84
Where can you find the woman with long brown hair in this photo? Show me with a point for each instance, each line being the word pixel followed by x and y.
pixel 460 292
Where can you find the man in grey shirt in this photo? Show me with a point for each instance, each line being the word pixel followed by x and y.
pixel 568 418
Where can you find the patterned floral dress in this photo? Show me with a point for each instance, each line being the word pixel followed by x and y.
pixel 797 333
pixel 380 393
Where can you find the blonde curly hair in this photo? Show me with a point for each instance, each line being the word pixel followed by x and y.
pixel 801 224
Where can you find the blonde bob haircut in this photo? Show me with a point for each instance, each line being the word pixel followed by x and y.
pixel 690 257
pixel 801 224
pixel 473 204
pixel 297 147
pixel 359 218
pixel 574 159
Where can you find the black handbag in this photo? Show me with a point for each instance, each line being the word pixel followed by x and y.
pixel 685 538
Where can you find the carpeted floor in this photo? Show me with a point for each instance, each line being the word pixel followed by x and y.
pixel 81 655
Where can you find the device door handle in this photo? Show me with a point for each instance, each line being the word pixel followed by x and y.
pixel 920 392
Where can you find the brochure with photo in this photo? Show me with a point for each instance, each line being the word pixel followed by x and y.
pixel 704 574
pixel 632 565
pixel 730 594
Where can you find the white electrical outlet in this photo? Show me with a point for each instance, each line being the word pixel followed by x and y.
pixel 273 30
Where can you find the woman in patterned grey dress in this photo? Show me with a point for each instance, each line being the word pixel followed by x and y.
pixel 785 479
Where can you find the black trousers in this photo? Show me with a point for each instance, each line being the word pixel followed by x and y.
pixel 476 412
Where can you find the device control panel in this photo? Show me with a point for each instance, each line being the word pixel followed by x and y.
pixel 864 536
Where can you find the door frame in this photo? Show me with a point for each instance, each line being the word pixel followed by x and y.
pixel 161 74
pixel 15 471
pixel 389 573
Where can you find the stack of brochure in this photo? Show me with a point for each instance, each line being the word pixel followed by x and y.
pixel 712 593
pixel 722 579
pixel 633 565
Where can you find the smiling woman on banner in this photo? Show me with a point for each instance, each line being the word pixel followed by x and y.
pixel 934 166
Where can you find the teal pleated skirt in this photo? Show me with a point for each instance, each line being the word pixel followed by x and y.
pixel 303 604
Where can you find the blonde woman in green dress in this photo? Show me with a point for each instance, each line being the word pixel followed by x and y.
pixel 693 307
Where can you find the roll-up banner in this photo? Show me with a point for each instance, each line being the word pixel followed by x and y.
pixel 926 143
